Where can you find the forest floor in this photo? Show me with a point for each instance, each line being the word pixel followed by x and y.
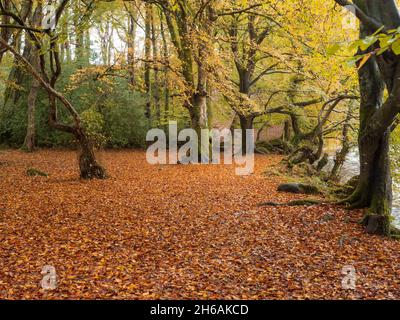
pixel 177 232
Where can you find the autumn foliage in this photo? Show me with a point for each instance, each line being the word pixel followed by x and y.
pixel 177 232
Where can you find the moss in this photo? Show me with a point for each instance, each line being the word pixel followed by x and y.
pixel 274 146
pixel 298 188
pixel 32 172
pixel 262 150
pixel 295 203
pixel 377 224
pixel 394 233
pixel 328 218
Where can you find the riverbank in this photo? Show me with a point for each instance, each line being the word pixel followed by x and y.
pixel 177 232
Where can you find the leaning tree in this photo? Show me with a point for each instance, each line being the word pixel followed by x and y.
pixel 46 73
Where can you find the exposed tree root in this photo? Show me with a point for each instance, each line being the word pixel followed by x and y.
pixel 361 204
pixel 357 200
pixel 293 203
pixel 354 198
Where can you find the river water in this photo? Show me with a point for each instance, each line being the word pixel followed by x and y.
pixel 351 168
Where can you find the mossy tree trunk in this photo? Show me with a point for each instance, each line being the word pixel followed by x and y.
pixel 131 41
pixel 165 68
pixel 374 190
pixel 246 63
pixel 5 33
pixel 156 58
pixel 192 58
pixel 147 64
pixel 32 55
pixel 29 142
pixel 88 165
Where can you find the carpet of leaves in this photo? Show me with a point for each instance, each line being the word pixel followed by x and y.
pixel 177 232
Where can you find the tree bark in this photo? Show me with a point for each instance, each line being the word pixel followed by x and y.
pixel 156 85
pixel 287 131
pixel 374 190
pixel 33 58
pixel 88 165
pixel 5 33
pixel 166 62
pixel 79 49
pixel 246 123
pixel 29 143
pixel 198 112
pixel 147 64
pixel 131 40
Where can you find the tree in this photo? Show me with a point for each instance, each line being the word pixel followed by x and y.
pixel 147 64
pixel 377 116
pixel 5 32
pixel 312 146
pixel 249 56
pixel 185 21
pixel 89 167
pixel 346 142
pixel 33 58
pixel 131 41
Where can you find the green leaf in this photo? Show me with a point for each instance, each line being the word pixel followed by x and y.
pixel 352 62
pixel 368 42
pixel 396 47
pixel 333 49
pixel 379 31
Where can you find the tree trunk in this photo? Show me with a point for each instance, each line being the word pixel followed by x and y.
pixel 156 86
pixel 371 89
pixel 246 123
pixel 131 40
pixel 198 112
pixel 287 131
pixel 199 121
pixel 67 44
pixel 294 117
pixel 87 47
pixel 374 190
pixel 29 143
pixel 165 61
pixel 33 58
pixel 5 33
pixel 246 120
pixel 79 49
pixel 147 65
pixel 88 165
pixel 378 218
